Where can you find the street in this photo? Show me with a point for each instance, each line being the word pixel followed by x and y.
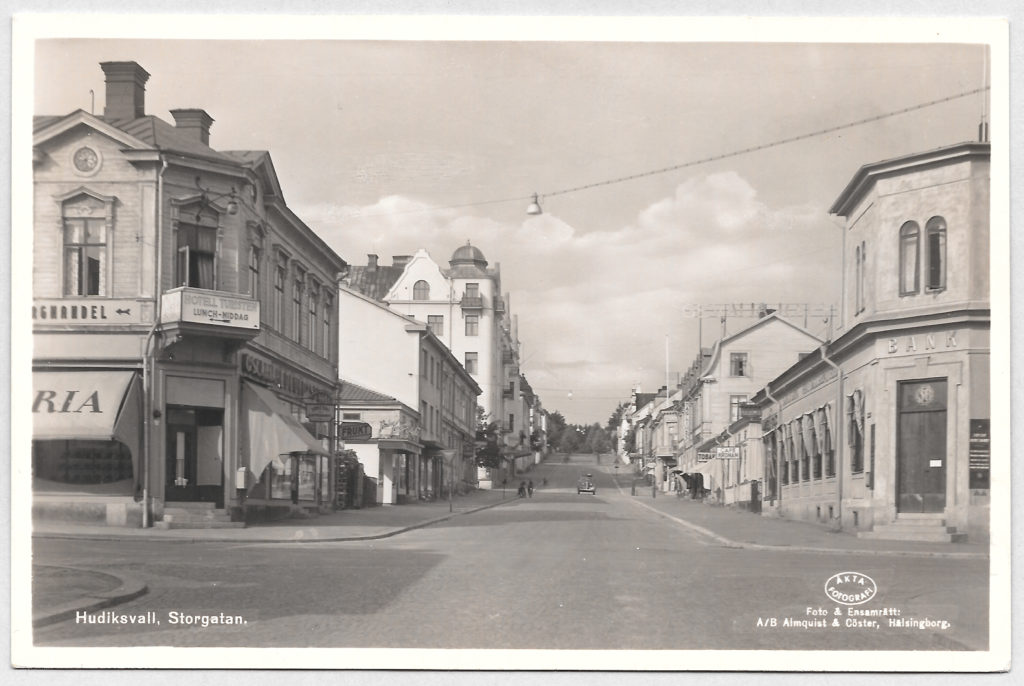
pixel 556 571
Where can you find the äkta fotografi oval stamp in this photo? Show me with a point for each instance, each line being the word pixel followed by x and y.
pixel 850 588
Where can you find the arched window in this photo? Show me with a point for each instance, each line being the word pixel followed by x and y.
pixel 910 269
pixel 421 290
pixel 935 254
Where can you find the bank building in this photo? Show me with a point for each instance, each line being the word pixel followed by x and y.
pixel 184 323
pixel 884 431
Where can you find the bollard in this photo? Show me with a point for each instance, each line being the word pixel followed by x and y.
pixel 632 489
pixel 654 490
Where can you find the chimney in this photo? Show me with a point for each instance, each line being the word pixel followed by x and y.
pixel 126 90
pixel 195 122
pixel 400 260
pixel 371 262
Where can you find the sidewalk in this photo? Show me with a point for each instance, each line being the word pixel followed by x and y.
pixel 368 523
pixel 736 528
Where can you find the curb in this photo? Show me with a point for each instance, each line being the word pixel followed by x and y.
pixel 302 539
pixel 129 589
pixel 729 543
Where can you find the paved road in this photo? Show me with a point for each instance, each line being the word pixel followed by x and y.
pixel 560 570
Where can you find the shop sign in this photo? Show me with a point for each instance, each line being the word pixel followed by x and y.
pixel 208 307
pixel 355 431
pixel 914 344
pixel 705 457
pixel 727 452
pixel 979 453
pixel 272 374
pixel 86 311
pixel 320 412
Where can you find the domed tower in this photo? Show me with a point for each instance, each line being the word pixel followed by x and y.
pixel 467 262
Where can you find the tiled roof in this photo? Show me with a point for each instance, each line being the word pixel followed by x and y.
pixel 351 392
pixel 373 282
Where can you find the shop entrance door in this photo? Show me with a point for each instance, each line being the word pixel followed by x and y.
pixel 194 455
pixel 921 447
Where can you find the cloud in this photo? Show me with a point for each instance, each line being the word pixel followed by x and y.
pixel 594 307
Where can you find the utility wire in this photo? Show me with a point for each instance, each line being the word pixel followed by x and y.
pixel 694 163
pixel 765 146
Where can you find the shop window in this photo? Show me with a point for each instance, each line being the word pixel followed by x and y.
pixel 910 264
pixel 85 256
pixel 435 322
pixel 935 254
pixel 816 456
pixel 473 363
pixel 421 290
pixel 738 364
pixel 197 256
pixel 82 462
pixel 472 325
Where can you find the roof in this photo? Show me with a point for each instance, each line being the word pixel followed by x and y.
pixel 373 282
pixel 717 348
pixel 352 392
pixel 866 175
pixel 468 253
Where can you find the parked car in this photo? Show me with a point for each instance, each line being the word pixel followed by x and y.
pixel 586 485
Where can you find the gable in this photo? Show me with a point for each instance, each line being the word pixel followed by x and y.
pixel 421 267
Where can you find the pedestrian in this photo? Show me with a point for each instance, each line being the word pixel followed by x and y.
pixel 522 489
pixel 544 481
pixel 529 488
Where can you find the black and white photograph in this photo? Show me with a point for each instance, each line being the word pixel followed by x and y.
pixel 477 343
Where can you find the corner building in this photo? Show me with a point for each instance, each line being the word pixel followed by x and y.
pixel 184 319
pixel 884 431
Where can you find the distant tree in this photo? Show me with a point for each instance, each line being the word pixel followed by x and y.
pixel 596 440
pixel 556 428
pixel 488 451
pixel 616 418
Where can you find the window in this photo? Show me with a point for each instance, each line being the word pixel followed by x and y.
pixel 297 306
pixel 472 325
pixel 472 363
pixel 424 417
pixel 862 277
pixel 279 277
pixel 472 290
pixel 421 290
pixel 85 256
pixel 511 421
pixel 935 254
pixel 326 325
pixel 423 363
pixel 734 406
pixel 254 271
pixel 314 307
pixel 197 249
pixel 910 265
pixel 435 322
pixel 738 364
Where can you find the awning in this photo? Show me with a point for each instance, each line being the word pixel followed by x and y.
pixel 273 431
pixel 97 406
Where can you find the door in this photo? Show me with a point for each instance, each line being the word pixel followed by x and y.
pixel 194 457
pixel 921 447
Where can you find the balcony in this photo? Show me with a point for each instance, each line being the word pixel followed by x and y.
pixel 197 312
pixel 508 393
pixel 499 305
pixel 507 357
pixel 472 302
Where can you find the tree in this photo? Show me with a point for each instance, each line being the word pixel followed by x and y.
pixel 556 428
pixel 488 451
pixel 616 418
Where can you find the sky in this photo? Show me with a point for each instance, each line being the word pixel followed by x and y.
pixel 388 146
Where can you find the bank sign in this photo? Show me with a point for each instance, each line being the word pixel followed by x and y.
pixel 208 307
